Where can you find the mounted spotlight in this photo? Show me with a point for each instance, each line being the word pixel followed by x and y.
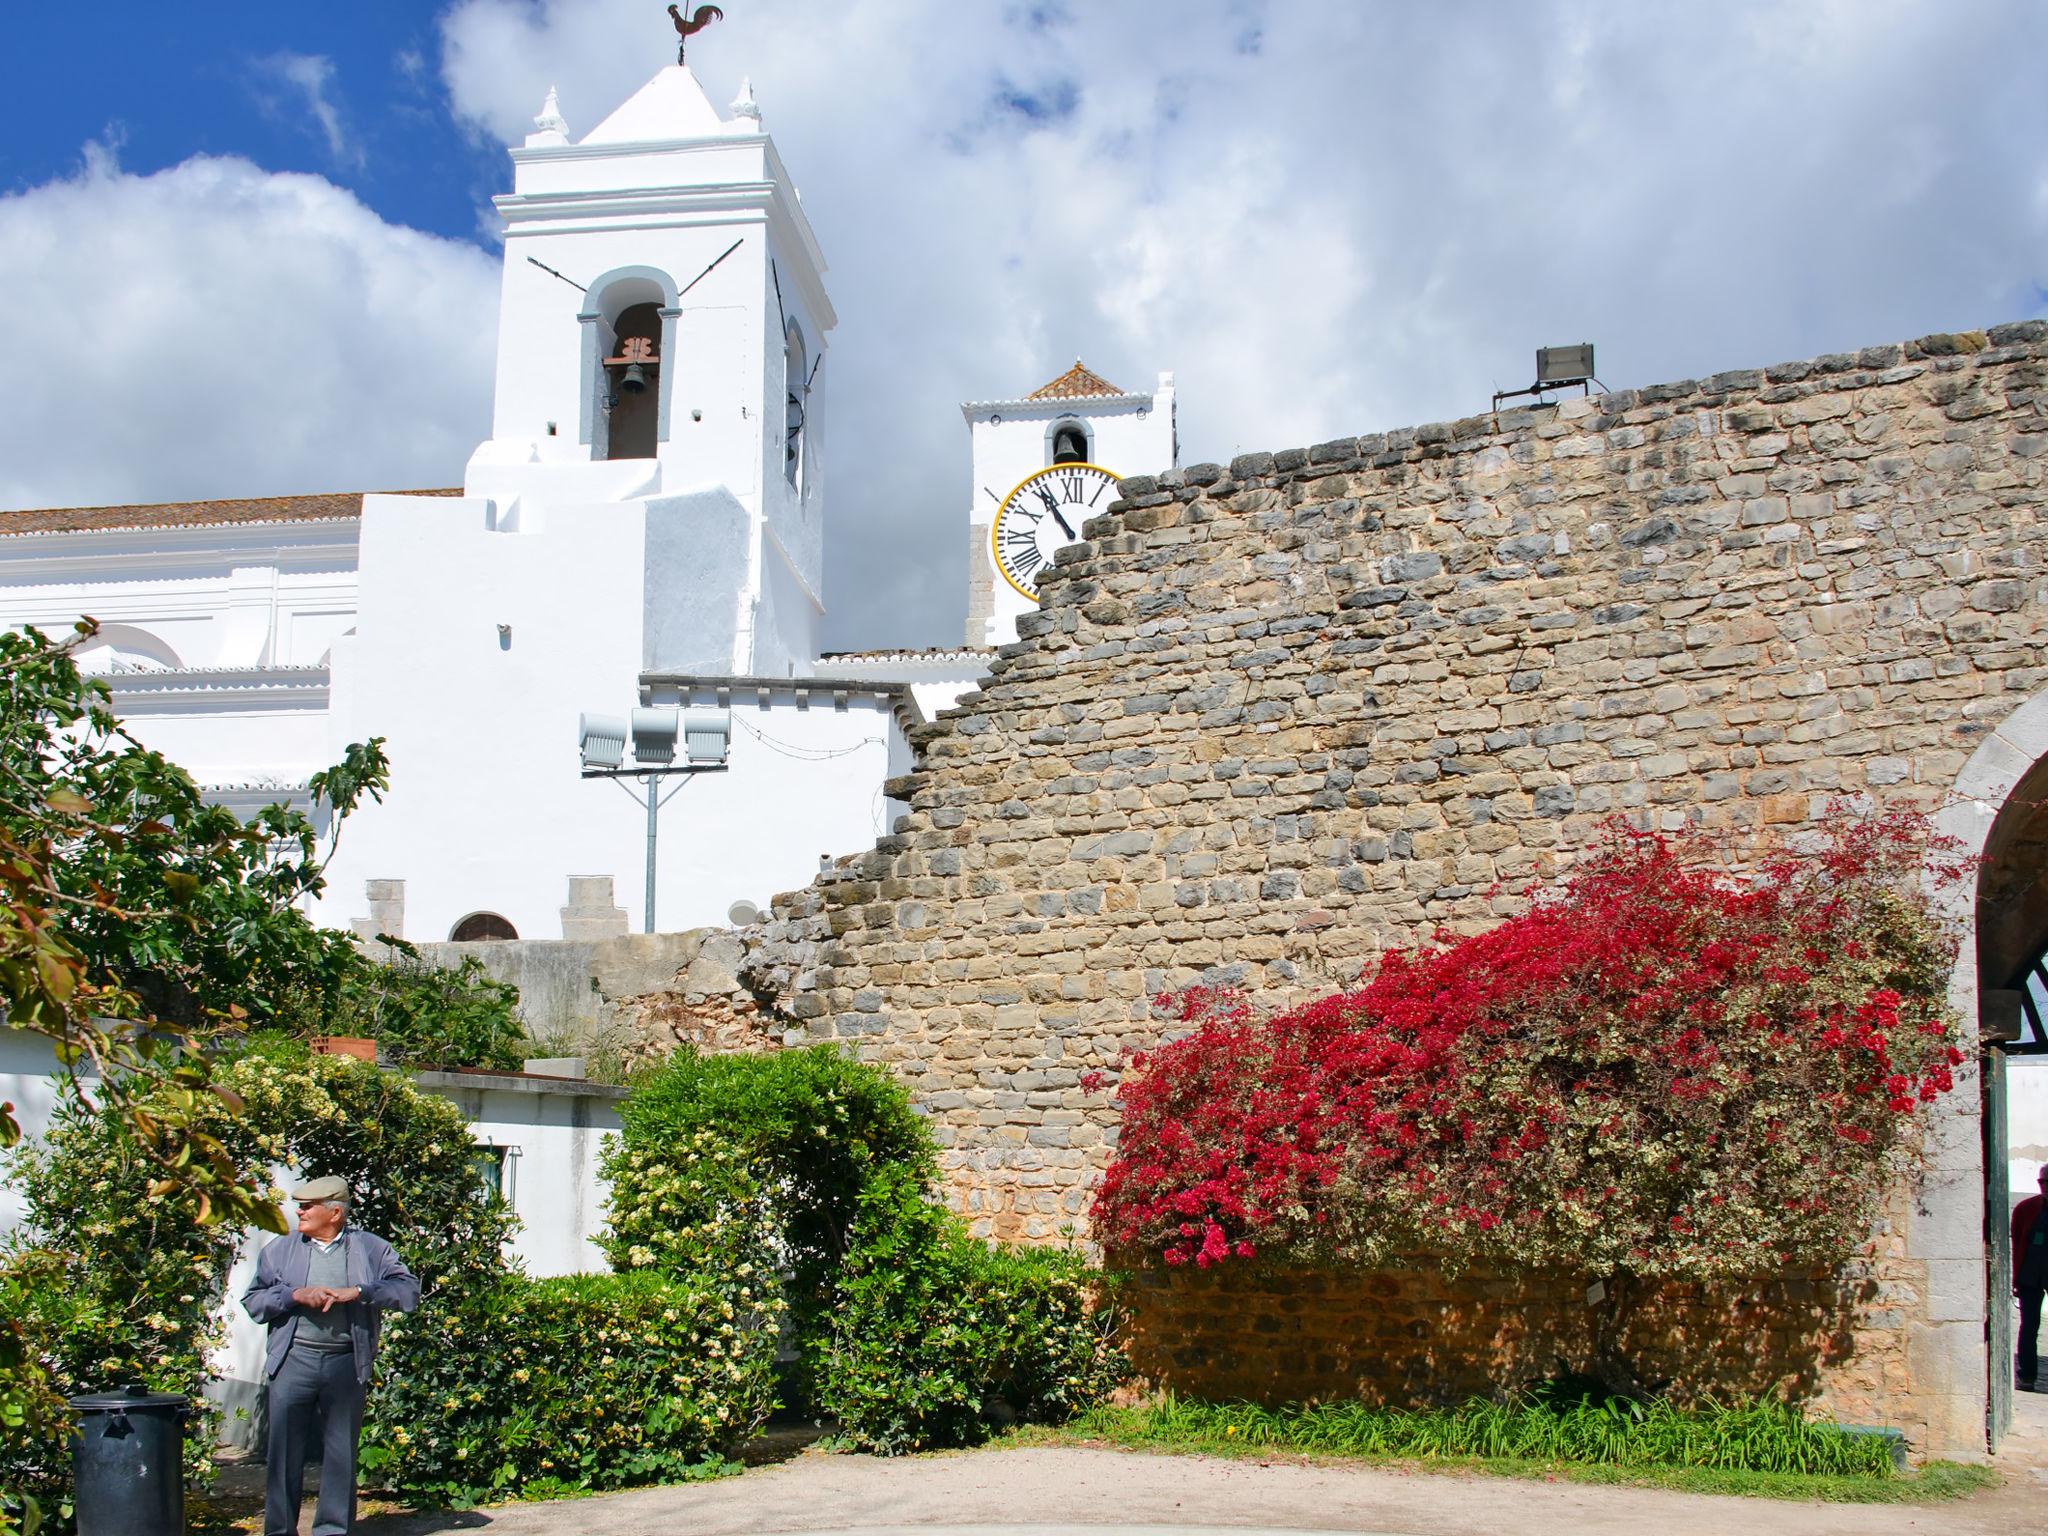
pixel 654 736
pixel 707 735
pixel 704 735
pixel 602 741
pixel 1557 368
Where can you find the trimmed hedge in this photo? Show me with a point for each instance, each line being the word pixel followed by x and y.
pixel 539 1388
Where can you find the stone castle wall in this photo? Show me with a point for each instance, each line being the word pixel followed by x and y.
pixel 1275 718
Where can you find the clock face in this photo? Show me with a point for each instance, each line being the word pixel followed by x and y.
pixel 1044 514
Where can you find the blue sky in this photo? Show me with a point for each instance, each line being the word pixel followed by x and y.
pixel 168 81
pixel 245 248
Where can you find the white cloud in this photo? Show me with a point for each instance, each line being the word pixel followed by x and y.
pixel 1326 218
pixel 215 330
pixel 308 75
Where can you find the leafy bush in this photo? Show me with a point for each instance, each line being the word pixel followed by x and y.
pixel 583 1383
pixel 121 1282
pixel 425 1015
pixel 933 1336
pixel 1754 1437
pixel 32 1418
pixel 1664 1070
pixel 808 1128
pixel 907 1330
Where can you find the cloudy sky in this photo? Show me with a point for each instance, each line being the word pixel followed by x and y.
pixel 246 248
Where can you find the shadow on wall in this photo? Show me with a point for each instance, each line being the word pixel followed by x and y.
pixel 1412 1338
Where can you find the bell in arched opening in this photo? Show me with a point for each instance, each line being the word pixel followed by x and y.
pixel 1070 443
pixel 633 384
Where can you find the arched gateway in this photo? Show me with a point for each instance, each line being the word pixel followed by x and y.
pixel 2000 813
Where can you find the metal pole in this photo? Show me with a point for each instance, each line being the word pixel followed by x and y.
pixel 652 784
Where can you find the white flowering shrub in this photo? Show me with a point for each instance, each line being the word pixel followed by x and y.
pixel 122 1284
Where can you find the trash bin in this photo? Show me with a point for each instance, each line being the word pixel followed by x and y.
pixel 129 1459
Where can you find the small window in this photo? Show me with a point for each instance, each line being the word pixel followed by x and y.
pixel 479 927
pixel 493 1166
pixel 1070 443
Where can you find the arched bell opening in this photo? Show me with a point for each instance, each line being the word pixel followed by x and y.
pixel 629 338
pixel 796 376
pixel 633 382
pixel 1069 442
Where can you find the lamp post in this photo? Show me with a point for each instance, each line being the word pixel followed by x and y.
pixel 706 738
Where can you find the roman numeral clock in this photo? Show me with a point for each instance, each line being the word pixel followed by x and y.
pixel 1042 515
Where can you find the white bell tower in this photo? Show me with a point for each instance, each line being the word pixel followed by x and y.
pixel 662 332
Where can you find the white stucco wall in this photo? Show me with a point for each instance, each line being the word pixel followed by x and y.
pixel 488 810
pixel 30 1080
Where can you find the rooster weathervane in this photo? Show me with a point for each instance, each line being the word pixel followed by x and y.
pixel 701 18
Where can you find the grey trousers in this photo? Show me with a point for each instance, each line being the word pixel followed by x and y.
pixel 313 1391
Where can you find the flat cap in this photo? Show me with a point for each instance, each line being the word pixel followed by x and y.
pixel 332 1187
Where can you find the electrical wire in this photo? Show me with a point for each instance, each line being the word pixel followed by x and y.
pixel 803 754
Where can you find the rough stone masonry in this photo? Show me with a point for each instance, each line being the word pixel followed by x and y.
pixel 1275 718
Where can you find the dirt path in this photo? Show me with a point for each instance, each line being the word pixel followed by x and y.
pixel 1051 1492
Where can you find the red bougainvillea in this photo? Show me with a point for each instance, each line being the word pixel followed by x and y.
pixel 1664 1068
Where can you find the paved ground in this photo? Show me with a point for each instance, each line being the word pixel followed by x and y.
pixel 1100 1492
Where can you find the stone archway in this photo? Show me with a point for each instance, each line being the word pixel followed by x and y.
pixel 1999 812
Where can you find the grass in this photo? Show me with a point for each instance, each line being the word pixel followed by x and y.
pixel 1757 1450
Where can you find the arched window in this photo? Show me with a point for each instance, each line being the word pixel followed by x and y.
pixel 797 389
pixel 1069 443
pixel 125 648
pixel 481 926
pixel 633 383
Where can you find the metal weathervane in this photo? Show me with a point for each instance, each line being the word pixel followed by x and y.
pixel 701 18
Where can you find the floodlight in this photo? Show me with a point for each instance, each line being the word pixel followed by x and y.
pixel 601 739
pixel 1564 365
pixel 654 736
pixel 743 914
pixel 707 734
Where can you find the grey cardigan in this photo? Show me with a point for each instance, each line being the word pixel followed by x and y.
pixel 284 1265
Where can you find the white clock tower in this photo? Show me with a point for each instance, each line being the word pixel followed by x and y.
pixel 1080 425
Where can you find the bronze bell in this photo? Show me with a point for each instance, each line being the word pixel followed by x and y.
pixel 634 380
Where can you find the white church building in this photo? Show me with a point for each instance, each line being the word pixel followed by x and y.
pixel 644 529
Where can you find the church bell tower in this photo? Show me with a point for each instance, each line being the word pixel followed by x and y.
pixel 662 331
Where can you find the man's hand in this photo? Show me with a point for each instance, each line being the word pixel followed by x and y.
pixel 318 1298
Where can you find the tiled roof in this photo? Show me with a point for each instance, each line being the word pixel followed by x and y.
pixel 196 514
pixel 1075 384
pixel 912 653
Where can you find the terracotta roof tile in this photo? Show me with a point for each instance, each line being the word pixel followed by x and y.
pixel 195 514
pixel 1076 383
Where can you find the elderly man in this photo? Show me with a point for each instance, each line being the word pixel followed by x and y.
pixel 322 1292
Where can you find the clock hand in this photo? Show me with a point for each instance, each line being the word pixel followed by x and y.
pixel 1053 507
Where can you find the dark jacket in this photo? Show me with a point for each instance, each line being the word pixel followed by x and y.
pixel 286 1264
pixel 2024 1215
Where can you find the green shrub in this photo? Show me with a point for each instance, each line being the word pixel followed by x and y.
pixel 118 1281
pixel 428 1015
pixel 906 1330
pixel 32 1418
pixel 809 1127
pixel 542 1387
pixel 934 1338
